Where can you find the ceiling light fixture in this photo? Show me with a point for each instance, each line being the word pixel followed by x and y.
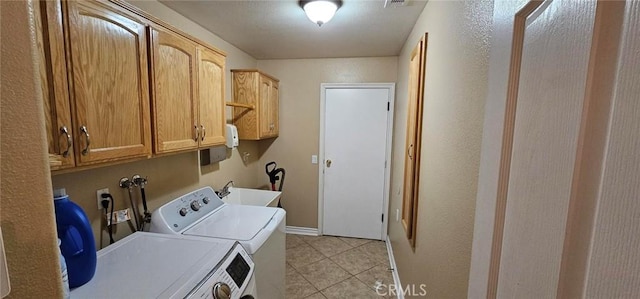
pixel 320 11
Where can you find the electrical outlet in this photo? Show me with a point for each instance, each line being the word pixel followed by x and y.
pixel 99 197
pixel 314 159
pixel 119 216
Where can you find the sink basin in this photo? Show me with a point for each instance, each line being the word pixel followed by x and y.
pixel 252 197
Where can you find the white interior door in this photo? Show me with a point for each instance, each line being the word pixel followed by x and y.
pixel 545 139
pixel 354 164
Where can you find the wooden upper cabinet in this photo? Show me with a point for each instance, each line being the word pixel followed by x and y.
pixel 175 103
pixel 108 75
pixel 252 87
pixel 211 97
pixel 97 63
pixel 53 76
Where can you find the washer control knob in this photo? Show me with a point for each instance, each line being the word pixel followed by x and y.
pixel 195 205
pixel 183 212
pixel 221 290
pixel 206 200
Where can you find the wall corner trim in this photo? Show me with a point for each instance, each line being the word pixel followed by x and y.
pixel 394 270
pixel 298 230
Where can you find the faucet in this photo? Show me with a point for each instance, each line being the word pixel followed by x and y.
pixel 225 190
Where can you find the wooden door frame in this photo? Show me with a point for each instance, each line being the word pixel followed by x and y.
pixel 519 27
pixel 592 144
pixel 409 215
pixel 321 157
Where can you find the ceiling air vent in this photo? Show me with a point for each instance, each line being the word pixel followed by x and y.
pixel 395 3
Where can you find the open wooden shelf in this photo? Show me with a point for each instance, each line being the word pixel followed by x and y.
pixel 234 104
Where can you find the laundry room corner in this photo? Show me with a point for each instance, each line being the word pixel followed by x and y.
pixel 300 122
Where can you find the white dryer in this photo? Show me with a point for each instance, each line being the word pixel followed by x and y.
pixel 260 230
pixel 146 265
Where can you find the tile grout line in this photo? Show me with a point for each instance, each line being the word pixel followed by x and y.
pixel 348 270
pixel 351 247
pixel 352 276
pixel 320 290
pixel 375 260
pixel 305 279
pixel 322 259
pixel 336 283
pixel 385 264
pixel 303 242
pixel 311 284
pixel 326 258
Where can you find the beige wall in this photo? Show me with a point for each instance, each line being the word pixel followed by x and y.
pixel 173 175
pixel 300 81
pixel 455 91
pixel 26 214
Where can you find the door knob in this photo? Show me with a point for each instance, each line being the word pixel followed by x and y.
pixel 328 163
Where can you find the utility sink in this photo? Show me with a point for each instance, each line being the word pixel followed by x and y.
pixel 252 197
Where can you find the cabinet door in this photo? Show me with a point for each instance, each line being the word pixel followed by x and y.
pixel 53 76
pixel 264 118
pixel 211 91
pixel 246 90
pixel 108 68
pixel 174 92
pixel 413 141
pixel 274 102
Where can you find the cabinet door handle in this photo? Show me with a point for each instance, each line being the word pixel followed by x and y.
pixel 84 131
pixel 197 132
pixel 409 151
pixel 204 132
pixel 65 131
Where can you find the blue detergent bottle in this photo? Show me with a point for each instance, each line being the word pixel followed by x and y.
pixel 77 243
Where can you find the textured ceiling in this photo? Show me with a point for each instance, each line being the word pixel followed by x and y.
pixel 268 29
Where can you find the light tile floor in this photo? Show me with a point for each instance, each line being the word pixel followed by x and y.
pixel 335 267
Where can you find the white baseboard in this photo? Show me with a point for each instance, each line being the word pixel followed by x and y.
pixel 298 230
pixel 394 270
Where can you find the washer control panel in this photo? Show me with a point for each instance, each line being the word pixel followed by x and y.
pixel 231 277
pixel 195 205
pixel 185 210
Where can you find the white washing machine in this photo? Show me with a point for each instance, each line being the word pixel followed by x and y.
pixel 146 265
pixel 260 230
